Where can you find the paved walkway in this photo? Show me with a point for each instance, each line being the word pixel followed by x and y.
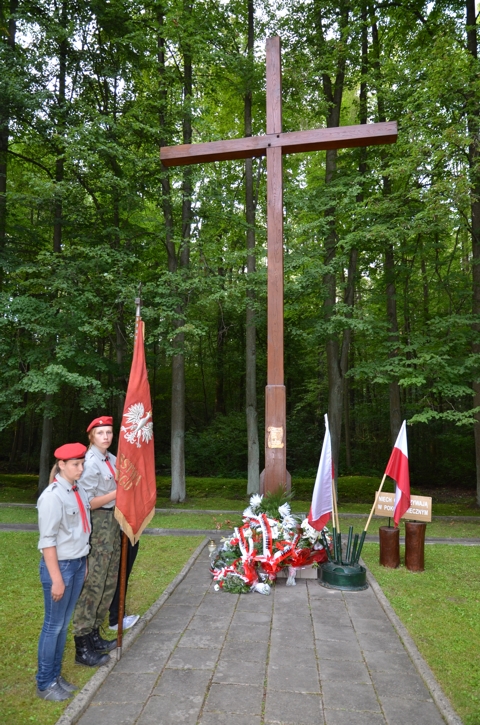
pixel 305 655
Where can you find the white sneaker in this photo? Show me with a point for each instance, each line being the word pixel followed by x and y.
pixel 128 622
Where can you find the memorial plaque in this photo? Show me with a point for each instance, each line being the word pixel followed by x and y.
pixel 275 437
pixel 420 507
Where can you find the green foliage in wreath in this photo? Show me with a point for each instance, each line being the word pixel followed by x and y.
pixel 272 500
pixel 234 584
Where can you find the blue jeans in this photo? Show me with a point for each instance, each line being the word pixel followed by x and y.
pixel 57 617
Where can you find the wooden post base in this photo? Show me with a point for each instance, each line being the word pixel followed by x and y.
pixel 288 486
pixel 389 546
pixel 415 545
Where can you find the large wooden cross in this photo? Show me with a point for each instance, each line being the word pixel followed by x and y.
pixel 273 145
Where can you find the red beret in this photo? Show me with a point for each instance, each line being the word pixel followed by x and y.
pixel 70 450
pixel 103 420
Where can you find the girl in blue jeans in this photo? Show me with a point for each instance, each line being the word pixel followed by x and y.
pixel 64 524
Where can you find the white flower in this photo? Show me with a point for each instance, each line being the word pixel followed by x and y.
pixel 287 535
pixel 289 522
pixel 248 513
pixel 309 532
pixel 248 533
pixel 284 510
pixel 217 588
pixel 255 501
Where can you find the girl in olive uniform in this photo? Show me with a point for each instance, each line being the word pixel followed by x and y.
pixel 98 480
pixel 64 525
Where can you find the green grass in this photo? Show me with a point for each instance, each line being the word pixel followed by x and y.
pixel 435 529
pixel 173 520
pixel 441 610
pixel 356 494
pixel 21 614
pixel 180 520
pixel 16 515
pixel 354 489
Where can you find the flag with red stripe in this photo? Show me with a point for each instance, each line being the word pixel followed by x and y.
pixel 322 501
pixel 397 468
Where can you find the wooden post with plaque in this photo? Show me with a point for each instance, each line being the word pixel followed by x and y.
pixel 274 145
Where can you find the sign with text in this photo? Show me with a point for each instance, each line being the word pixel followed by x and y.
pixel 420 507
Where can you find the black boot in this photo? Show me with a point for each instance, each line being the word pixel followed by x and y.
pixel 100 644
pixel 85 652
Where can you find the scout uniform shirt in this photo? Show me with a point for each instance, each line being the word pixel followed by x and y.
pixel 60 521
pixel 97 479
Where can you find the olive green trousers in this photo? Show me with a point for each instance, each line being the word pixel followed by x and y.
pixel 101 582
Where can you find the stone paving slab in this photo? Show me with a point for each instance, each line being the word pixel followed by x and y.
pixel 305 655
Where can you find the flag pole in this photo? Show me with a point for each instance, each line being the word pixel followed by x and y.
pixel 337 537
pixel 124 549
pixel 123 588
pixel 358 551
pixel 377 494
pixel 335 507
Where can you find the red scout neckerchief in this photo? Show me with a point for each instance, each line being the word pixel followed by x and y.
pixel 83 513
pixel 110 466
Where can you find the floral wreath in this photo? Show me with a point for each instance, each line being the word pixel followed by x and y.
pixel 270 539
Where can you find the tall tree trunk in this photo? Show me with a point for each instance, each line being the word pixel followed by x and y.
pixel 61 124
pixel 389 264
pixel 390 287
pixel 350 292
pixel 253 485
pixel 8 30
pixel 220 406
pixel 337 351
pixel 423 267
pixel 177 417
pixel 474 163
pixel 46 447
pixel 395 405
pixel 120 350
pixel 178 490
pixel 47 426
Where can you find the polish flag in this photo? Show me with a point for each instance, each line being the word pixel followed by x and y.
pixel 397 469
pixel 322 502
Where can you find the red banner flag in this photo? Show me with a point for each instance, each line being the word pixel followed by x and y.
pixel 136 484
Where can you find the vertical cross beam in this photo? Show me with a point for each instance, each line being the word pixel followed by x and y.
pixel 274 144
pixel 275 400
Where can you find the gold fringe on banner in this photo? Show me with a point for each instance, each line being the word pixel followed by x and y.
pixel 127 529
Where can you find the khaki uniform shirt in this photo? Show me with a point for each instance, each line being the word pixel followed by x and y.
pixel 60 521
pixel 97 478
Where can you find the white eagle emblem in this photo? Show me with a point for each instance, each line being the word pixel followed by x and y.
pixel 138 427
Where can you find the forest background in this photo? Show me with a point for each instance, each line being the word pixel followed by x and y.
pixel 382 245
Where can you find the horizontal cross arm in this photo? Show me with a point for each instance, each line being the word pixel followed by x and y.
pixel 370 134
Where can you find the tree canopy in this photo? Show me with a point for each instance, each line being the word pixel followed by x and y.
pixel 382 245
